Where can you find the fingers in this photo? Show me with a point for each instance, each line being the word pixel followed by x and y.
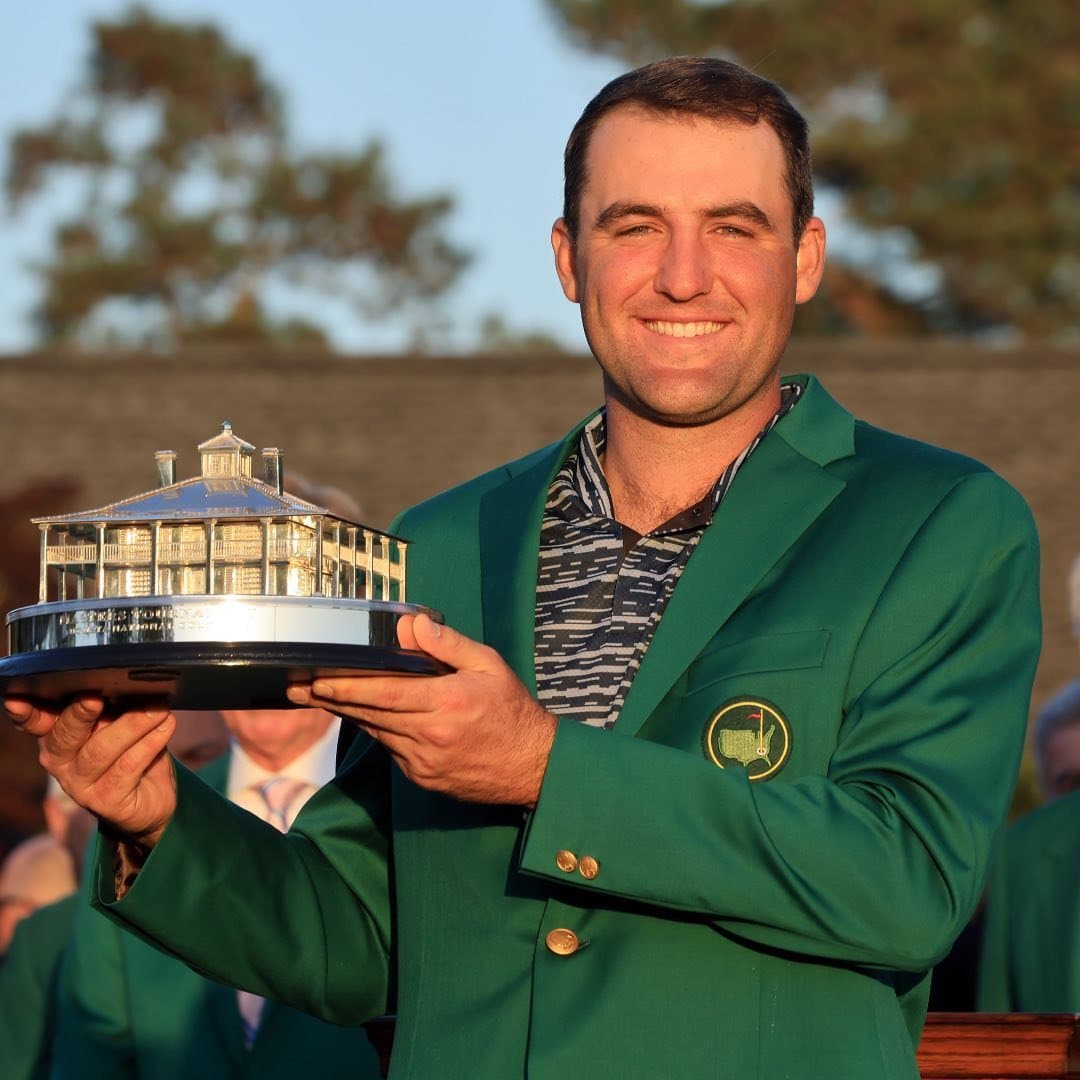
pixel 128 744
pixel 28 717
pixel 72 728
pixel 452 647
pixel 405 635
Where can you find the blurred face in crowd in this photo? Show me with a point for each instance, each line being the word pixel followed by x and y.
pixel 685 265
pixel 274 737
pixel 200 737
pixel 1059 761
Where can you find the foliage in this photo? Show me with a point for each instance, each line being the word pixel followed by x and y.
pixel 952 125
pixel 192 200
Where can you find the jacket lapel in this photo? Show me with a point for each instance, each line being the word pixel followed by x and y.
pixel 776 497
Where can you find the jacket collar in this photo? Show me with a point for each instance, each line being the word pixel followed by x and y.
pixel 777 495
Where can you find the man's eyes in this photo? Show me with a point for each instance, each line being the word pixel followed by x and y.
pixel 721 229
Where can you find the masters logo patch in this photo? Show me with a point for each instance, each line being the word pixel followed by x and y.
pixel 749 734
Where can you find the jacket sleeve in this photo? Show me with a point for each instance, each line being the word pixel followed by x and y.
pixel 93 1028
pixel 303 917
pixel 881 860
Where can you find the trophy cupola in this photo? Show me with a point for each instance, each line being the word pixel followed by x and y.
pixel 226 454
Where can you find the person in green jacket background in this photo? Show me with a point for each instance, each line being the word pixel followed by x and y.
pixel 124 1009
pixel 1030 958
pixel 737 696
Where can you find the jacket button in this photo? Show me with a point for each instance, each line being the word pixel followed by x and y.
pixel 566 861
pixel 588 867
pixel 562 942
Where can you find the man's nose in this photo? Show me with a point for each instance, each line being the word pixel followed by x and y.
pixel 684 270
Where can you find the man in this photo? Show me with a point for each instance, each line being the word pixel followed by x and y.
pixel 124 1009
pixel 29 974
pixel 1031 943
pixel 1030 959
pixel 1057 742
pixel 738 698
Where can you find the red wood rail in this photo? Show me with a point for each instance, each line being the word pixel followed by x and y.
pixel 954 1046
pixel 1000 1046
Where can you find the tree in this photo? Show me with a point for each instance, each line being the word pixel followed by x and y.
pixel 950 128
pixel 192 201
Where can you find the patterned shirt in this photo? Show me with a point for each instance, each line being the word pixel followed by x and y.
pixel 601 587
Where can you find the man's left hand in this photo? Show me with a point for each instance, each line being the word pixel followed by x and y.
pixel 474 734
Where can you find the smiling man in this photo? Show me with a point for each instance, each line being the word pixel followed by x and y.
pixel 738 691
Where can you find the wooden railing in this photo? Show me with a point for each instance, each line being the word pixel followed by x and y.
pixel 996 1046
pixel 955 1046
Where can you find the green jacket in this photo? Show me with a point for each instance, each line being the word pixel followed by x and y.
pixel 127 1010
pixel 1031 936
pixel 876 596
pixel 28 990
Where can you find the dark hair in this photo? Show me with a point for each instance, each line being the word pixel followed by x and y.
pixel 697 86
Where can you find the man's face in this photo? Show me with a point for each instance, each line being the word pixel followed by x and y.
pixel 274 737
pixel 685 266
pixel 1059 764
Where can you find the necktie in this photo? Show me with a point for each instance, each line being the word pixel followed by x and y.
pixel 282 798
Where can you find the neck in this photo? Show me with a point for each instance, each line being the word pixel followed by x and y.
pixel 654 471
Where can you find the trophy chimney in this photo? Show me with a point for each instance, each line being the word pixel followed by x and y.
pixel 166 467
pixel 274 468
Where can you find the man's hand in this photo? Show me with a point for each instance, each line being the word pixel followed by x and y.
pixel 474 734
pixel 117 768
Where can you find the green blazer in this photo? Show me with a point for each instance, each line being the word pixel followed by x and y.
pixel 126 1010
pixel 873 598
pixel 1031 939
pixel 28 990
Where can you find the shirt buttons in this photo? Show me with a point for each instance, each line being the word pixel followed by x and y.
pixel 588 867
pixel 566 861
pixel 562 942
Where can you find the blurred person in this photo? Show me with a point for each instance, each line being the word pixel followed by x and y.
pixel 737 691
pixel 124 1009
pixel 1030 959
pixel 1057 742
pixel 36 872
pixel 1030 955
pixel 28 976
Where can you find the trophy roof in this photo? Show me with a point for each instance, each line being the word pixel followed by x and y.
pixel 199 498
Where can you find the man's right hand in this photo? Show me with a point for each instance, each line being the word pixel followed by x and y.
pixel 117 768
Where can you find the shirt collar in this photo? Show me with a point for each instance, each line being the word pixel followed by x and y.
pixel 316 765
pixel 589 485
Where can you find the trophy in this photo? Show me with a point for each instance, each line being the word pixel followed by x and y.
pixel 213 592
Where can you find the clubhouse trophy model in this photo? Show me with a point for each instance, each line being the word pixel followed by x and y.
pixel 212 592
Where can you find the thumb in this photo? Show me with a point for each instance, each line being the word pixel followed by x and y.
pixel 448 645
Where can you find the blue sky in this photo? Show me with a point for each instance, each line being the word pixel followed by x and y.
pixel 473 97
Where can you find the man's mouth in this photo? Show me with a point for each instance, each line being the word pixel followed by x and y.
pixel 683 329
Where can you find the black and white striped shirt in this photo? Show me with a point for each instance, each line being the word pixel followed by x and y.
pixel 601 588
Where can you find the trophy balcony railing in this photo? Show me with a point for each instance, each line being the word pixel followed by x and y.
pixel 194 551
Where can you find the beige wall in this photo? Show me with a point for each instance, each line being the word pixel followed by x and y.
pixel 392 431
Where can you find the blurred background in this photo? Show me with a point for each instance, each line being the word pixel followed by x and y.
pixel 328 223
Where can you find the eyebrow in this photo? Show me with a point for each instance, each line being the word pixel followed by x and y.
pixel 743 208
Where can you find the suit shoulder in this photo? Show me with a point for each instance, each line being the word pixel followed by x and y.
pixel 1050 823
pixel 461 502
pixel 903 463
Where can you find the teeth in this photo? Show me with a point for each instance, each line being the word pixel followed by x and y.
pixel 683 329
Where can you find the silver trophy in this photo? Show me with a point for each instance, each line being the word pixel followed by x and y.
pixel 213 592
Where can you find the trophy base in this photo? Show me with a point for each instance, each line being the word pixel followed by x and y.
pixel 229 675
pixel 222 652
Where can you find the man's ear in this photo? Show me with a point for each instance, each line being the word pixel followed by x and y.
pixel 809 260
pixel 565 263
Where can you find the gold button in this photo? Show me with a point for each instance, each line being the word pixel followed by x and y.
pixel 562 942
pixel 588 867
pixel 566 861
